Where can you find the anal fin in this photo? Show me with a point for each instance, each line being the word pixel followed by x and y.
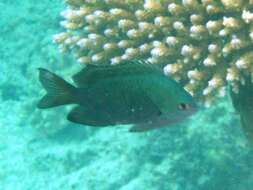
pixel 85 116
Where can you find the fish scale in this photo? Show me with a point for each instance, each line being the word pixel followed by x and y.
pixel 128 99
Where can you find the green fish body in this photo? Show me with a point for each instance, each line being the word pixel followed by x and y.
pixel 132 93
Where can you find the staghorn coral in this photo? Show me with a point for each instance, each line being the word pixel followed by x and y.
pixel 203 44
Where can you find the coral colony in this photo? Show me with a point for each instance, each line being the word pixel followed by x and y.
pixel 205 44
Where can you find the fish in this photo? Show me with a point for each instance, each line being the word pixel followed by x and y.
pixel 134 93
pixel 242 102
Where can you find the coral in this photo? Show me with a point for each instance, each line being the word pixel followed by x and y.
pixel 205 45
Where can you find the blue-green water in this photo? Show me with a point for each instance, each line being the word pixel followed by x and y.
pixel 41 150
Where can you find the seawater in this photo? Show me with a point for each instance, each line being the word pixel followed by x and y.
pixel 41 150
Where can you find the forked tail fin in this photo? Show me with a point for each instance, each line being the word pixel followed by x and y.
pixel 59 92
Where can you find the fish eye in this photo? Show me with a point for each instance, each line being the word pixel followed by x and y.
pixel 183 106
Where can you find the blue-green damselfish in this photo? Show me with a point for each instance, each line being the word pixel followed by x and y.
pixel 135 92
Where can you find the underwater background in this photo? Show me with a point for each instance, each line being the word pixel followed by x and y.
pixel 42 150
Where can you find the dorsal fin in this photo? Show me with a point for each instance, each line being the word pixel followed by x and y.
pixel 93 73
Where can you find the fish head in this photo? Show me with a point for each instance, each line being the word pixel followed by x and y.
pixel 181 111
pixel 179 104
